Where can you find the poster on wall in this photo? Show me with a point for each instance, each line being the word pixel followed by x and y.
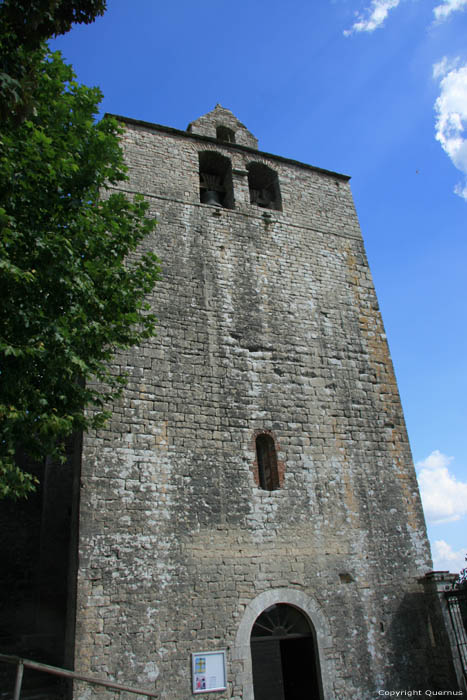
pixel 208 671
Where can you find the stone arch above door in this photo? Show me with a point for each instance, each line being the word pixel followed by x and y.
pixel 241 655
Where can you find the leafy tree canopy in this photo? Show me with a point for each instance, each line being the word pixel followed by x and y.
pixel 24 25
pixel 462 578
pixel 72 284
pixel 32 21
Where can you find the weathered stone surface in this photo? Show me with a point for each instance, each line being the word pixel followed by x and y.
pixel 268 322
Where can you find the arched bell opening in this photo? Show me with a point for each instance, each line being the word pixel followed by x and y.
pixel 223 133
pixel 215 180
pixel 263 184
pixel 284 655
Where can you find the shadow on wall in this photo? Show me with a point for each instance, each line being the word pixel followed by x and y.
pixel 421 648
pixel 35 596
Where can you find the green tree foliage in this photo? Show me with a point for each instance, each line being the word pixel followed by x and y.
pixel 462 578
pixel 24 25
pixel 32 21
pixel 72 284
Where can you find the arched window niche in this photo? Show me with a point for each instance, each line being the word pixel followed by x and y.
pixel 263 184
pixel 215 180
pixel 223 133
pixel 268 471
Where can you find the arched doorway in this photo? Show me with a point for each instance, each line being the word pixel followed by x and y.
pixel 284 656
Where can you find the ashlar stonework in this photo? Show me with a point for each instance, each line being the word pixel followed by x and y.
pixel 269 325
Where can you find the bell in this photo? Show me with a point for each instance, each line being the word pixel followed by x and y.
pixel 264 199
pixel 211 197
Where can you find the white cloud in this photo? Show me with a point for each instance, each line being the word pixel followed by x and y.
pixel 461 190
pixel 446 559
pixel 376 13
pixel 447 7
pixel 451 110
pixel 444 498
pixel 444 66
pixel 375 16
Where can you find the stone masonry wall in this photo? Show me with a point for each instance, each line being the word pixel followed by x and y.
pixel 266 323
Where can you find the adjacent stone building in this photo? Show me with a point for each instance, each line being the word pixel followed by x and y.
pixel 254 492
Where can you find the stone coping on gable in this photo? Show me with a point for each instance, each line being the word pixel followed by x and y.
pixel 230 146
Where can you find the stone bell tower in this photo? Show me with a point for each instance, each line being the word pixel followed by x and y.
pixel 250 521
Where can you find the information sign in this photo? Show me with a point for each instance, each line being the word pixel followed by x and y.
pixel 208 671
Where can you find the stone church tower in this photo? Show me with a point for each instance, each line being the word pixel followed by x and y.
pixel 254 492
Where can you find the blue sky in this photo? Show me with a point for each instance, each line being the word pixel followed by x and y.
pixel 375 89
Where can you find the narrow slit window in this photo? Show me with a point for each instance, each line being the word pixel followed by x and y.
pixel 268 473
